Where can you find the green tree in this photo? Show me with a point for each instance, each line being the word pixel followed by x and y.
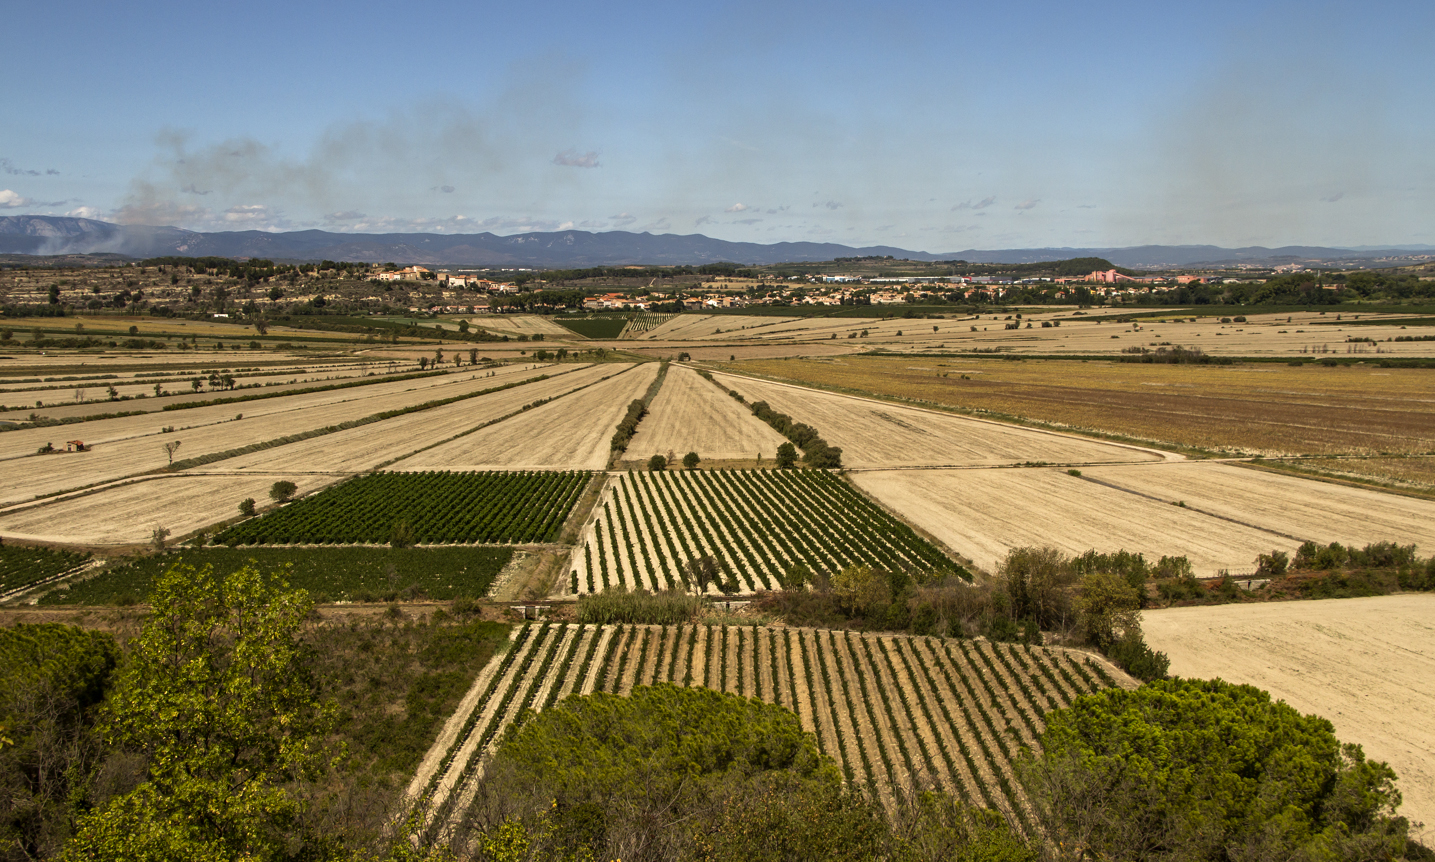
pixel 215 695
pixel 657 462
pixel 691 461
pixel 282 490
pixel 665 772
pixel 786 456
pixel 1196 769
pixel 860 589
pixel 52 680
pixel 1110 609
pixel 246 506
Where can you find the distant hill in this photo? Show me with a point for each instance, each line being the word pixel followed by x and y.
pixel 55 235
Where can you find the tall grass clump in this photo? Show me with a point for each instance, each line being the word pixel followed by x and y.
pixel 665 608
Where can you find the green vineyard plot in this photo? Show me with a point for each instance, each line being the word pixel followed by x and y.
pixel 428 508
pixel 329 574
pixel 887 709
pixel 758 523
pixel 20 567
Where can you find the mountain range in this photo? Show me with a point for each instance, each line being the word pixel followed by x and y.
pixel 56 235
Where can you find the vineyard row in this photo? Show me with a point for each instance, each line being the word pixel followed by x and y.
pixel 888 709
pixel 759 523
pixel 437 508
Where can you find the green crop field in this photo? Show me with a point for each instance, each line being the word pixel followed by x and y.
pixel 329 574
pixel 437 508
pixel 22 566
pixel 602 326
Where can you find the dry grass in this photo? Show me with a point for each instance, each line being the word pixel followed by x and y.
pixel 1249 408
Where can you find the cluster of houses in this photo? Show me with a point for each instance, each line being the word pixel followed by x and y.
pixel 444 277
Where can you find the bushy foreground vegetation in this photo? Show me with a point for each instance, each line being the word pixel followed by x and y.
pixel 234 727
pixel 670 773
pixel 1090 599
pixel 20 567
pixel 427 508
pixel 1209 770
pixel 328 574
pixel 219 734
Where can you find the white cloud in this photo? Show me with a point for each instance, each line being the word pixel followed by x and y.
pixel 567 225
pixel 1028 204
pixel 622 219
pixel 346 215
pixel 979 205
pixel 84 212
pixel 12 200
pixel 246 213
pixel 736 208
pixel 573 159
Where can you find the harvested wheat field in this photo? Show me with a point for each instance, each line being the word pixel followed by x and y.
pixel 127 514
pixel 368 446
pixel 1299 508
pixel 983 514
pixel 296 412
pixel 875 434
pixel 572 433
pixel 1265 408
pixel 692 327
pixel 690 414
pixel 521 324
pixel 1367 665
pixel 135 445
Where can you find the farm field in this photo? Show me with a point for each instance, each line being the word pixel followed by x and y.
pixel 439 508
pixel 520 324
pixel 127 514
pixel 885 708
pixel 1307 334
pixel 20 567
pixel 369 446
pixel 570 434
pixel 604 326
pixel 1321 512
pixel 646 526
pixel 1265 408
pixel 690 414
pixel 697 327
pixel 132 445
pixel 60 402
pixel 873 434
pixel 327 407
pixel 329 574
pixel 1364 664
pixel 984 513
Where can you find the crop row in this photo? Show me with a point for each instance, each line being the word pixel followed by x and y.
pixel 757 524
pixel 887 709
pixel 20 567
pixel 435 508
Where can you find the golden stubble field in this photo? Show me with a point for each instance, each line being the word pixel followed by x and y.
pixel 690 414
pixel 1270 409
pixel 1364 664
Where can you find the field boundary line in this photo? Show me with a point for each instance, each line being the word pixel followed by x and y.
pixel 1115 487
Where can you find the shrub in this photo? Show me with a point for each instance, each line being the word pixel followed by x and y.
pixel 246 506
pixel 691 461
pixel 666 608
pixel 657 462
pixel 1132 655
pixel 282 490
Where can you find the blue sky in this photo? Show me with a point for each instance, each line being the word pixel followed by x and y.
pixel 931 126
